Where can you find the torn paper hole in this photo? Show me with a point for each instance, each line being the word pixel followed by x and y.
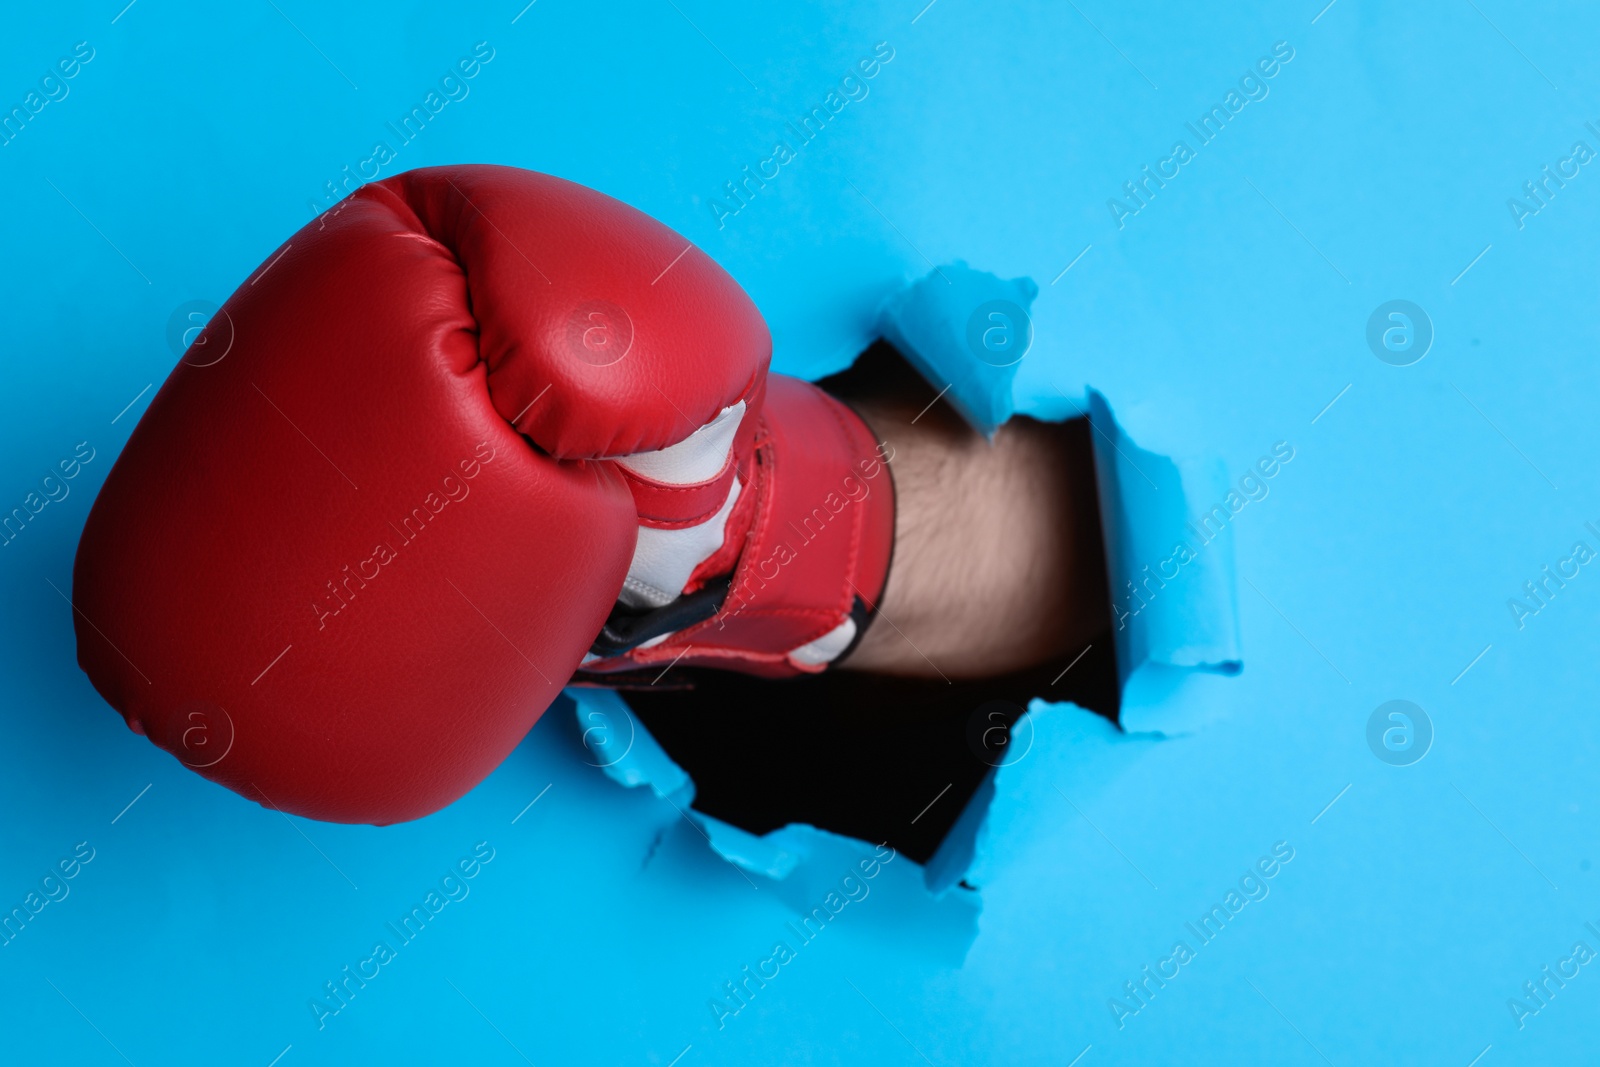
pixel 1175 617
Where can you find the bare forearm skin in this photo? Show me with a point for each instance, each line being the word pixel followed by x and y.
pixel 998 562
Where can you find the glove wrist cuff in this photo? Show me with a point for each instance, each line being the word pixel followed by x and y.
pixel 813 553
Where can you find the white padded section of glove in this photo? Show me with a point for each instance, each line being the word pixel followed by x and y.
pixel 664 559
pixel 826 648
pixel 696 458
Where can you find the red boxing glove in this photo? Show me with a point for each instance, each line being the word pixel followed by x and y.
pixel 442 439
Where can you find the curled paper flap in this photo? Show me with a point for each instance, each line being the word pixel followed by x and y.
pixel 966 331
pixel 1174 590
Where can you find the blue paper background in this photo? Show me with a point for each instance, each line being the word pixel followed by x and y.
pixel 1223 318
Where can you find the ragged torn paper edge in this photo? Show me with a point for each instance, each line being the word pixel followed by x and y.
pixel 1175 621
pixel 800 860
pixel 965 331
pixel 1174 589
pixel 629 755
pixel 1173 582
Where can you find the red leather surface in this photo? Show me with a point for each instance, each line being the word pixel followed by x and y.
pixel 325 571
pixel 538 251
pixel 672 507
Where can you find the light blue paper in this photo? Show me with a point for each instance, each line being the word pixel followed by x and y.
pixel 1388 160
